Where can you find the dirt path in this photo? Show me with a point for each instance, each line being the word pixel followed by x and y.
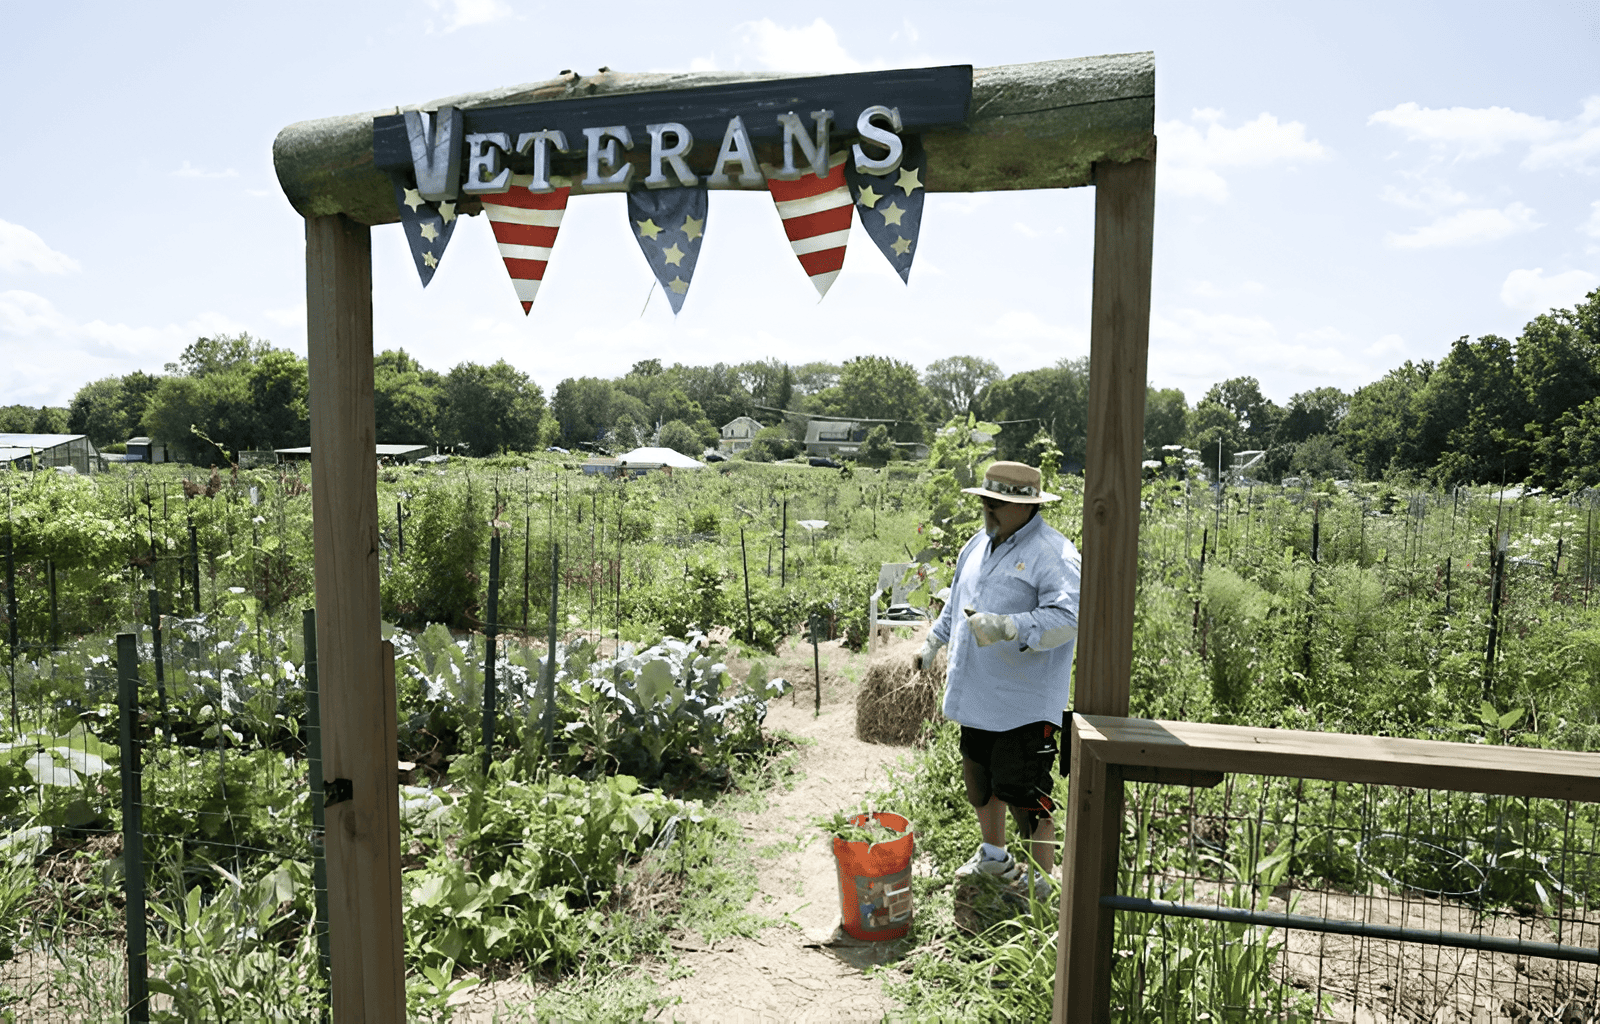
pixel 803 969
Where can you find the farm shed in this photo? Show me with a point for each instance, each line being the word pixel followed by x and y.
pixel 828 438
pixel 386 453
pixel 46 451
pixel 1050 124
pixel 142 449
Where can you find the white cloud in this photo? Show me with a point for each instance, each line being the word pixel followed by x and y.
pixel 813 47
pixel 1591 227
pixel 1208 290
pixel 21 249
pixel 31 323
pixel 1388 345
pixel 1470 131
pixel 465 13
pixel 1468 227
pixel 1531 292
pixel 1190 157
pixel 1432 194
pixel 188 170
pixel 293 316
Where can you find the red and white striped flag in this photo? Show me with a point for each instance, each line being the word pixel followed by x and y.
pixel 816 217
pixel 525 225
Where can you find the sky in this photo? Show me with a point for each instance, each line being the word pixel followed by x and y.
pixel 1339 189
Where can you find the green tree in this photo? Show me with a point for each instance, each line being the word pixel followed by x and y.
pixel 99 410
pixel 278 396
pixel 1319 457
pixel 1309 413
pixel 50 419
pixel 583 407
pixel 407 399
pixel 1165 414
pixel 770 444
pixel 1055 398
pixel 1472 416
pixel 681 438
pixel 1256 415
pixel 878 448
pixel 1381 416
pixel 1558 372
pixel 492 408
pixel 1211 424
pixel 205 357
pixel 957 381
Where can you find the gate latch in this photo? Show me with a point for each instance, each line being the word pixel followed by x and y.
pixel 336 791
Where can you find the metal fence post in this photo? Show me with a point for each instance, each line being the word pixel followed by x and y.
pixel 155 644
pixel 550 659
pixel 491 628
pixel 11 624
pixel 319 865
pixel 132 825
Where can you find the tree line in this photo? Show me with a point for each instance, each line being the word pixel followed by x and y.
pixel 1490 410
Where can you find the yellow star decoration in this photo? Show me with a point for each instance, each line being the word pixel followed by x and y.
pixel 900 246
pixel 413 198
pixel 428 232
pixel 892 214
pixel 447 211
pixel 648 229
pixel 908 180
pixel 430 260
pixel 692 229
pixel 674 254
pixel 868 197
pixel 679 285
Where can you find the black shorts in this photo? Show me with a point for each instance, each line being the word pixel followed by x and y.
pixel 1017 762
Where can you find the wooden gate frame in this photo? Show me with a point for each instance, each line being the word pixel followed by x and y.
pixel 1052 124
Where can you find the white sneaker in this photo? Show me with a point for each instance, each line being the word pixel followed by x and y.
pixel 1041 884
pixel 1007 869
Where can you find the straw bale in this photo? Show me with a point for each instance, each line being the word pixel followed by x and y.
pixel 896 703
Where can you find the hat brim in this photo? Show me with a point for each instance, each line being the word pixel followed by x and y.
pixel 1015 499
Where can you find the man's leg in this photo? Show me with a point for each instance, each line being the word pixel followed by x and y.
pixel 991 812
pixel 1043 845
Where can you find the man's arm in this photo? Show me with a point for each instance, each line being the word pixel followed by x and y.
pixel 1055 621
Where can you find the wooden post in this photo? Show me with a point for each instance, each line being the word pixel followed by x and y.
pixel 1119 341
pixel 357 695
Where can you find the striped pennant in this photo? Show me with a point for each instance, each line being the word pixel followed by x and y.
pixel 816 217
pixel 525 225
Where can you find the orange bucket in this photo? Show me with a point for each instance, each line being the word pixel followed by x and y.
pixel 875 881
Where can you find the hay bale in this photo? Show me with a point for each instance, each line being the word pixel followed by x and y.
pixel 896 703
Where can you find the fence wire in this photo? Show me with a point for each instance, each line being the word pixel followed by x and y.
pixel 1468 869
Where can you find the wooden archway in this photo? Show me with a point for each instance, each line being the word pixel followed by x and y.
pixel 1053 124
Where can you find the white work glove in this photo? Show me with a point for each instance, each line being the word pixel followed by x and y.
pixel 922 661
pixel 990 627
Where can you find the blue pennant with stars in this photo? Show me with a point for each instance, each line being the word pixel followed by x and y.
pixel 668 224
pixel 428 226
pixel 890 205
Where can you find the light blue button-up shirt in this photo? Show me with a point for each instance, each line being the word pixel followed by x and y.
pixel 1034 576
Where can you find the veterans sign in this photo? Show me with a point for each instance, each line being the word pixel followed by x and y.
pixel 821 146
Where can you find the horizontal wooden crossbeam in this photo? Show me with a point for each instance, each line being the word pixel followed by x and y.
pixel 1040 125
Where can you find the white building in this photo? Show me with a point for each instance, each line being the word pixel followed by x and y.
pixel 737 434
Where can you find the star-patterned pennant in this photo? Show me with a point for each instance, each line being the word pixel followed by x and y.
pixel 525 225
pixel 668 224
pixel 816 217
pixel 428 226
pixel 890 206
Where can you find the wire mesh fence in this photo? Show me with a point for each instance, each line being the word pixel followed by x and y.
pixel 1267 898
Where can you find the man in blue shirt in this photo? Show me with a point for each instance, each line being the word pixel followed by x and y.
pixel 1012 624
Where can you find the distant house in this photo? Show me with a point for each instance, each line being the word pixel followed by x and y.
pixel 834 437
pixel 47 451
pixel 386 453
pixel 737 434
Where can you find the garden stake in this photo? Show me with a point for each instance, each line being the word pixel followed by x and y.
pixel 749 619
pixel 319 864
pixel 783 548
pixel 155 643
pixel 1497 567
pixel 400 528
pixel 550 659
pixel 10 612
pixel 490 631
pixel 132 825
pixel 816 666
pixel 55 626
pixel 194 558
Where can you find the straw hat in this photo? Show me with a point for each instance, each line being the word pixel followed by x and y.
pixel 1014 482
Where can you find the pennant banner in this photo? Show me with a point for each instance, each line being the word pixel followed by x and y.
pixel 428 226
pixel 525 225
pixel 891 206
pixel 816 217
pixel 668 224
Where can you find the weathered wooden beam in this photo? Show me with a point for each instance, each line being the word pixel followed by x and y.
pixel 357 700
pixel 1119 341
pixel 1041 125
